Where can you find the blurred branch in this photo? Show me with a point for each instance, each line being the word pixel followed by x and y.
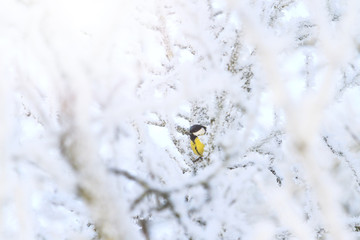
pixel 336 152
pixel 185 47
pixel 232 66
pixel 342 155
pixel 187 118
pixel 160 123
pixel 273 135
pixel 349 83
pixel 258 148
pixel 276 10
pixel 204 182
pixel 353 135
pixel 244 165
pixel 163 196
pixel 182 130
pixel 278 178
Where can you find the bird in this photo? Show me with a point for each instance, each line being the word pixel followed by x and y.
pixel 196 145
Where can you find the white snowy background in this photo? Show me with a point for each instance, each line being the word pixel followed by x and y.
pixel 97 96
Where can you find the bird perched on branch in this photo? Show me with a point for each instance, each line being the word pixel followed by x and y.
pixel 196 145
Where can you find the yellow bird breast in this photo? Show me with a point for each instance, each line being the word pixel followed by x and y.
pixel 197 146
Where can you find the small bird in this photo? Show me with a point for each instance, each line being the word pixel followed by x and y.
pixel 196 145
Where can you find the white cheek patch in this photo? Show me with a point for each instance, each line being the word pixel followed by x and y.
pixel 200 132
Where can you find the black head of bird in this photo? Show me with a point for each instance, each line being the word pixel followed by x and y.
pixel 197 130
pixel 196 145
